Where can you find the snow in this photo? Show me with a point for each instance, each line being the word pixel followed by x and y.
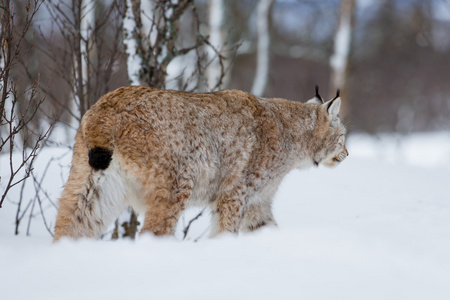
pixel 181 68
pixel 147 10
pixel 375 227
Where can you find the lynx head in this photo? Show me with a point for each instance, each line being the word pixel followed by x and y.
pixel 330 133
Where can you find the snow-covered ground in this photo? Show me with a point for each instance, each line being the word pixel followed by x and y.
pixel 376 227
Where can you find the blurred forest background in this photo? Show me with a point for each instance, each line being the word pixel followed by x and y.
pixel 390 58
pixel 397 71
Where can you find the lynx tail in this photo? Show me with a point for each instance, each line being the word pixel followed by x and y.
pixel 100 158
pixel 99 139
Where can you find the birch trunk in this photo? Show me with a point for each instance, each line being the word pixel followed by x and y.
pixel 339 61
pixel 263 53
pixel 134 60
pixel 86 27
pixel 213 72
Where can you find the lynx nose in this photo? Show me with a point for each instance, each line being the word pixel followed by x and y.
pixel 342 155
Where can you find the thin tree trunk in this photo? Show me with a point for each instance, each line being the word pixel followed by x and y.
pixel 78 58
pixel 6 56
pixel 130 31
pixel 130 40
pixel 214 72
pixel 340 60
pixel 263 54
pixel 86 25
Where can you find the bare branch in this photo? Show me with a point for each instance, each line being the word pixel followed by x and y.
pixel 186 229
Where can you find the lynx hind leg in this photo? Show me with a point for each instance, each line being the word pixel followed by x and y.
pixel 257 216
pixel 164 205
pixel 91 199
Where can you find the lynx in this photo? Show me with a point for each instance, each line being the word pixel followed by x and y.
pixel 160 151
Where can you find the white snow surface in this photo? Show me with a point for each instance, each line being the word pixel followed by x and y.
pixel 375 227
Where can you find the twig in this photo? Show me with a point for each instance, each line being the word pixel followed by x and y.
pixel 186 229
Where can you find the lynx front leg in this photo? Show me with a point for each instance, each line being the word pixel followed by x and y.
pixel 256 216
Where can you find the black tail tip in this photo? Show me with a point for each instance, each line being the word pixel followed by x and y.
pixel 100 158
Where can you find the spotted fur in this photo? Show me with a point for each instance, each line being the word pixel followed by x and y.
pixel 161 151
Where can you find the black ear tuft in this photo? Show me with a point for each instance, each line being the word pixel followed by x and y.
pixel 337 94
pixel 317 94
pixel 99 158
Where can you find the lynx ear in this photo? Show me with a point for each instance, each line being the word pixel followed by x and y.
pixel 317 98
pixel 334 105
